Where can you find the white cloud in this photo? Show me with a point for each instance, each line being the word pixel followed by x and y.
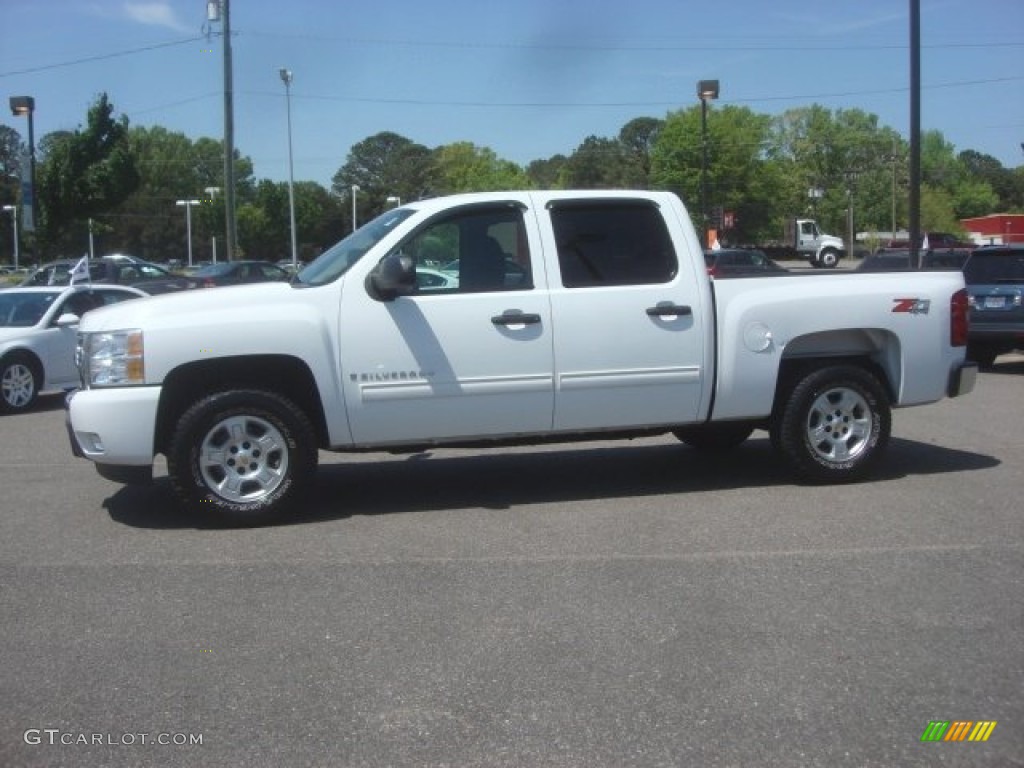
pixel 159 14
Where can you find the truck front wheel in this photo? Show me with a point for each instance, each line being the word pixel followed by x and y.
pixel 245 456
pixel 834 425
pixel 829 259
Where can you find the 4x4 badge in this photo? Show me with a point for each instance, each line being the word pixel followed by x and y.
pixel 912 306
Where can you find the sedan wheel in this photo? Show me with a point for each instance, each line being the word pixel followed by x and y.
pixel 19 385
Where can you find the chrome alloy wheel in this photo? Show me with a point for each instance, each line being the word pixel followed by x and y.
pixel 839 425
pixel 243 458
pixel 18 386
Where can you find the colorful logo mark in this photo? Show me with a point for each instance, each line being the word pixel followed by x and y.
pixel 958 730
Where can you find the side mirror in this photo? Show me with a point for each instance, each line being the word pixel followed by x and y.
pixel 394 276
pixel 67 320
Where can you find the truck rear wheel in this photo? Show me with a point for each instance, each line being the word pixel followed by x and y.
pixel 834 425
pixel 246 456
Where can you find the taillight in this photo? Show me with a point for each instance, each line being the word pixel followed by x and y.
pixel 958 321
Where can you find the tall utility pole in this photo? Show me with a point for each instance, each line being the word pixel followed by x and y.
pixel 915 132
pixel 220 10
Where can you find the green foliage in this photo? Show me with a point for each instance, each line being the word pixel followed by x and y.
pixel 465 167
pixel 86 173
pixel 597 163
pixel 937 210
pixel 546 174
pixel 759 168
pixel 638 138
pixel 382 166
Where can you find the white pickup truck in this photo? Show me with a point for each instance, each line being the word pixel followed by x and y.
pixel 507 317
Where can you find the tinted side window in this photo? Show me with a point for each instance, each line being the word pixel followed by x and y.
pixel 612 243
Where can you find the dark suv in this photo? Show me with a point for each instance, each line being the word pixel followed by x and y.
pixel 995 288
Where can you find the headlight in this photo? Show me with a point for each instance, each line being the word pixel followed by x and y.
pixel 111 359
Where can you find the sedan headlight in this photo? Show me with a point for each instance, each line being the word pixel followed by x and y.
pixel 111 358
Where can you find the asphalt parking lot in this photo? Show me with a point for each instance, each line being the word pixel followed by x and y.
pixel 598 604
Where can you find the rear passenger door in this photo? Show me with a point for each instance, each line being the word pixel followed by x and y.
pixel 626 312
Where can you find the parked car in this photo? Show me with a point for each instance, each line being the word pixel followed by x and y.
pixel 898 260
pixel 428 279
pixel 740 262
pixel 933 241
pixel 995 294
pixel 38 330
pixel 118 270
pixel 238 272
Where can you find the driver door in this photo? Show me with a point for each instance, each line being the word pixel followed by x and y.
pixel 470 357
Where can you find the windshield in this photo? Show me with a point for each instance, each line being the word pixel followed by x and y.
pixel 23 310
pixel 339 258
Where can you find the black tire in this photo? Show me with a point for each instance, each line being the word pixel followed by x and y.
pixel 984 356
pixel 261 456
pixel 829 259
pixel 834 425
pixel 19 383
pixel 714 438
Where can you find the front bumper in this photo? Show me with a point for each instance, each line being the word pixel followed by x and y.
pixel 115 429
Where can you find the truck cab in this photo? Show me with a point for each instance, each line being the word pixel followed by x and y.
pixel 820 249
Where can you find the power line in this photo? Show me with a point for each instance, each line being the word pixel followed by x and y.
pixel 630 104
pixel 101 57
pixel 707 46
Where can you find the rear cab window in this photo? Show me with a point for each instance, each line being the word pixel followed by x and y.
pixel 612 242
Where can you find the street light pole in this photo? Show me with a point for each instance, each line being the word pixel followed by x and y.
pixel 13 209
pixel 706 89
pixel 26 105
pixel 286 78
pixel 355 192
pixel 188 223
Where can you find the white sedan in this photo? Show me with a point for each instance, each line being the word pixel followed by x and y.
pixel 38 330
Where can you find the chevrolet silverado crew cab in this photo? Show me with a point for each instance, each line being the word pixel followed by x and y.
pixel 563 315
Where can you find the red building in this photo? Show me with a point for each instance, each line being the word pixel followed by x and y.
pixel 996 229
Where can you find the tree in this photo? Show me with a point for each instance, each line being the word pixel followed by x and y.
pixel 546 174
pixel 740 176
pixel 172 167
pixel 1004 182
pixel 11 149
pixel 847 156
pixel 382 166
pixel 597 163
pixel 638 137
pixel 465 167
pixel 85 174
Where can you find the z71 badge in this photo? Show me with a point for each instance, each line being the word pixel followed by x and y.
pixel 912 306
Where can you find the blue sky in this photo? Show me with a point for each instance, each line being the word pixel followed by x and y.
pixel 527 79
